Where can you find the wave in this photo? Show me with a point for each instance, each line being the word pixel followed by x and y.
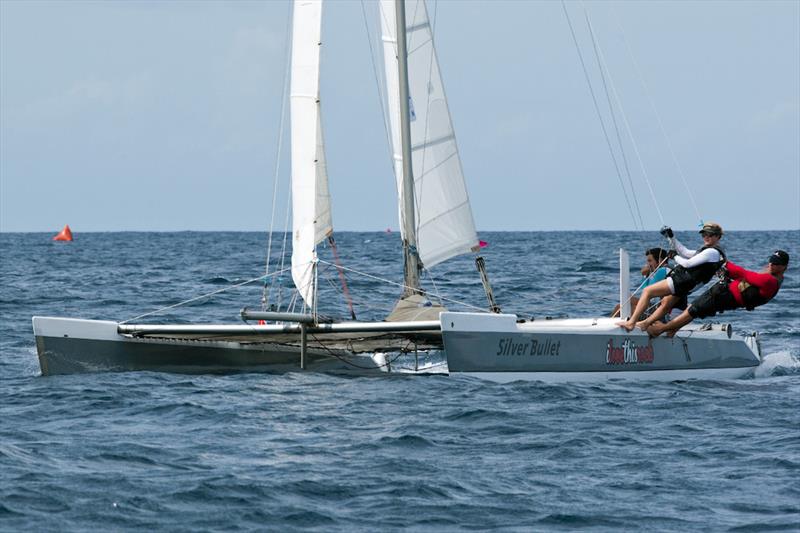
pixel 217 280
pixel 595 266
pixel 782 363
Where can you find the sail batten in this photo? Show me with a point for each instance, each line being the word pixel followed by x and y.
pixel 433 142
pixel 444 221
pixel 311 204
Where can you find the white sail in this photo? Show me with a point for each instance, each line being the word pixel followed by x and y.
pixel 445 226
pixel 311 205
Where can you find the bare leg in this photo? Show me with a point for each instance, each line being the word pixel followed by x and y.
pixel 659 289
pixel 615 312
pixel 672 326
pixel 666 305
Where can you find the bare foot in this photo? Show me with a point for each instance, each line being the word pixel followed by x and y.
pixel 643 325
pixel 655 330
pixel 627 326
pixel 672 333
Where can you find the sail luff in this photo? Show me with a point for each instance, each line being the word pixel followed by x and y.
pixel 311 212
pixel 387 15
pixel 410 258
pixel 444 223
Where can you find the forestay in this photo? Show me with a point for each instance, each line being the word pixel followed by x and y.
pixel 445 226
pixel 311 204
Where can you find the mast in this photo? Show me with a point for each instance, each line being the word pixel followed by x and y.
pixel 410 256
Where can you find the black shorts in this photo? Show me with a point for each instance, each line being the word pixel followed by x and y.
pixel 682 282
pixel 715 300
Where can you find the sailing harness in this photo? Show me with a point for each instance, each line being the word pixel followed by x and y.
pixel 685 279
pixel 752 297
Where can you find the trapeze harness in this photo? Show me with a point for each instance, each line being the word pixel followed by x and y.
pixel 751 295
pixel 685 279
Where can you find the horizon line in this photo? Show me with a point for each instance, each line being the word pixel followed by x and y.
pixel 54 231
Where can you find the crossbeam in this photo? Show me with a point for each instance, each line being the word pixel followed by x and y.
pixel 140 330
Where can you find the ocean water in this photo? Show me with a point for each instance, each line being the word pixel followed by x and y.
pixel 124 451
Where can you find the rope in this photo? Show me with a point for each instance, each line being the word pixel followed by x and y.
pixel 603 69
pixel 361 303
pixel 201 297
pixel 645 280
pixel 658 117
pixel 344 360
pixel 603 65
pixel 342 277
pixel 433 282
pixel 599 114
pixel 404 286
pixel 268 288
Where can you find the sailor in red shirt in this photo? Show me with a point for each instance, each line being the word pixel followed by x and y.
pixel 743 288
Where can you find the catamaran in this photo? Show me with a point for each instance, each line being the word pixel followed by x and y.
pixel 436 224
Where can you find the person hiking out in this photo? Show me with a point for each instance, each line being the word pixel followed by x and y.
pixel 694 268
pixel 741 288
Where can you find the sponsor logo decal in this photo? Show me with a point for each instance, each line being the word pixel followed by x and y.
pixel 628 353
pixel 536 347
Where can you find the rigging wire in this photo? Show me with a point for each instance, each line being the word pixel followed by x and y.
pixel 433 282
pixel 658 117
pixel 600 66
pixel 404 286
pixel 604 66
pixel 279 279
pixel 645 280
pixel 268 287
pixel 599 114
pixel 356 302
pixel 381 90
pixel 342 277
pixel 206 295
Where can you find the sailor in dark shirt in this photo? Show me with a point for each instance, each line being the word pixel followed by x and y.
pixel 743 288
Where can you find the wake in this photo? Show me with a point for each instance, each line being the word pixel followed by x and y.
pixel 781 363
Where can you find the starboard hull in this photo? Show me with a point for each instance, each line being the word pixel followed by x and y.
pixel 498 348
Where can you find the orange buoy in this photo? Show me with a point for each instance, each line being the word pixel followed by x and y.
pixel 65 235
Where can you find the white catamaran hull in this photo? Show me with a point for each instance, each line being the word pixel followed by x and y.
pixel 498 348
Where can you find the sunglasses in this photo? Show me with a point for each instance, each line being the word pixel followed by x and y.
pixel 707 233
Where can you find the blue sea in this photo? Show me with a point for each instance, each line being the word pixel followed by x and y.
pixel 306 451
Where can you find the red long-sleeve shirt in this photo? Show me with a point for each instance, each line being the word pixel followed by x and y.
pixel 766 283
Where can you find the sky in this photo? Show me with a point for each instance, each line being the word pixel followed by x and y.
pixel 162 116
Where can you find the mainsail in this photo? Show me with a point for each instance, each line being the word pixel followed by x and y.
pixel 311 203
pixel 445 226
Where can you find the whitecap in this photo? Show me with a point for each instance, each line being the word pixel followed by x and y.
pixel 780 363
